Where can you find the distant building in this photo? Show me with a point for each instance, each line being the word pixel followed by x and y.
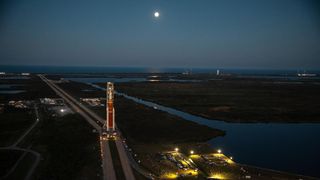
pixel 92 101
pixel 25 74
pixel 52 101
pixel 19 104
pixel 187 72
pixel 218 72
pixel 304 74
pixel 2 73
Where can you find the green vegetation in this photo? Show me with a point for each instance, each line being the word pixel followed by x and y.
pixel 35 88
pixel 69 148
pixel 76 90
pixel 142 124
pixel 13 123
pixel 146 125
pixel 235 99
pixel 23 167
pixel 7 160
pixel 138 176
pixel 149 131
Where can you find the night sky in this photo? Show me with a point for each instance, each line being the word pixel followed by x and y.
pixel 188 33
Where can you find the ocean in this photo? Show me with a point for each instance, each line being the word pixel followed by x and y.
pixel 93 69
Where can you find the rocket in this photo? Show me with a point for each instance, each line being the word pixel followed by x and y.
pixel 109 107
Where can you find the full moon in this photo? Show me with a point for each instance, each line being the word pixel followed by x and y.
pixel 156 14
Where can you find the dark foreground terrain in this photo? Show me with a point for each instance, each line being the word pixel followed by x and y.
pixel 66 145
pixel 69 148
pixel 235 99
pixel 151 133
pixel 32 87
pixel 145 125
pixel 13 123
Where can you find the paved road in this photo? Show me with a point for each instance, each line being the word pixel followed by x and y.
pixel 33 166
pixel 72 102
pixel 125 163
pixel 133 163
pixel 138 168
pixel 96 121
pixel 60 92
pixel 107 160
pixel 28 131
pixel 14 147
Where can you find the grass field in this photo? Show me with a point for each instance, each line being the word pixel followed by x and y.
pixel 235 100
pixel 13 123
pixel 33 86
pixel 7 160
pixel 69 148
pixel 141 124
pixel 23 167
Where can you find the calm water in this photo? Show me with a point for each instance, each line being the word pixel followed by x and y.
pixel 8 86
pixel 120 80
pixel 11 91
pixel 14 77
pixel 99 69
pixel 288 147
pixel 103 80
pixel 291 147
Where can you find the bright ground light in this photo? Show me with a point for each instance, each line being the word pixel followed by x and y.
pixel 156 14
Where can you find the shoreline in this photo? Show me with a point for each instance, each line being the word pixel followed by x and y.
pixel 233 101
pixel 230 121
pixel 90 94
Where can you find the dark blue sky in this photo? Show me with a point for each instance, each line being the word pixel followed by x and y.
pixel 189 33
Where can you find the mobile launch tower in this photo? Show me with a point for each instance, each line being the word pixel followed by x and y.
pixel 109 126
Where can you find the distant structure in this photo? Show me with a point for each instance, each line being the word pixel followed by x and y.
pixel 109 108
pixel 218 72
pixel 187 72
pixel 304 74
